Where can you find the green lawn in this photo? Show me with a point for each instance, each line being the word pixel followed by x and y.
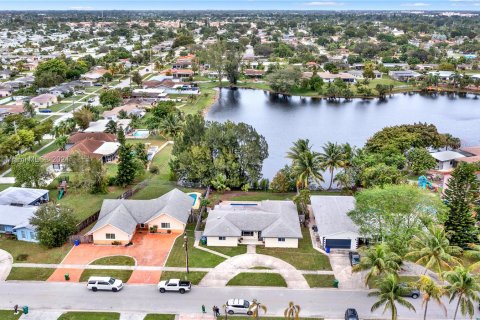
pixel 303 258
pixel 258 279
pixel 266 195
pixel 115 261
pixel 319 280
pixel 5 186
pixel 228 251
pixel 157 316
pixel 37 274
pixel 35 252
pixel 59 106
pixel 8 315
pixel 50 148
pixel 197 258
pixel 78 315
pixel 123 275
pixel 194 276
pixel 205 99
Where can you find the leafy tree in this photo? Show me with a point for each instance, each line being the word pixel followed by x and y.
pixel 111 98
pixel 381 175
pixel 232 64
pixel 462 191
pixel 379 260
pixel 284 80
pixel 302 201
pixel 220 183
pixel 463 286
pixel 30 170
pixel 54 224
pixel 83 117
pixel 111 127
pixel 136 78
pixel 368 71
pixel 389 293
pixel 126 162
pixel 331 158
pixel 61 142
pixel 141 153
pixel 431 291
pixel 306 168
pixel 283 181
pixel 420 160
pixel 27 137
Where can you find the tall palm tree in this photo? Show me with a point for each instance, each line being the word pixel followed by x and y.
pixel 379 260
pixel 390 293
pixel 332 158
pixel 299 147
pixel 307 167
pixel 431 291
pixel 432 249
pixel 171 125
pixel 292 312
pixel 255 308
pixel 474 253
pixel 462 286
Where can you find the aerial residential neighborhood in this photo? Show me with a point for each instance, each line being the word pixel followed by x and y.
pixel 258 159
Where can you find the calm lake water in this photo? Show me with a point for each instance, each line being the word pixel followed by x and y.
pixel 284 120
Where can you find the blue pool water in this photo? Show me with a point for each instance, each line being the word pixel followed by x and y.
pixel 194 197
pixel 141 134
pixel 243 204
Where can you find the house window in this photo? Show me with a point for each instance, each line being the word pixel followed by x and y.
pixel 247 233
pixel 142 225
pixel 3 228
pixel 24 234
pixel 33 236
pixel 165 225
pixel 281 239
pixel 110 236
pixel 222 238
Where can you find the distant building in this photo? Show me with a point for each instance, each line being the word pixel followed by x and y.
pixel 44 100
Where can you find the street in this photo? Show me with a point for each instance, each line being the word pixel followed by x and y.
pixel 328 303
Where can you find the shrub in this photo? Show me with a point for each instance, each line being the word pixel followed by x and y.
pixel 116 243
pixel 22 257
pixel 154 170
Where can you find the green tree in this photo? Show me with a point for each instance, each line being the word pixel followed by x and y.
pixel 111 98
pixel 307 168
pixel 379 260
pixel 29 109
pixel 111 127
pixel 283 181
pixel 141 153
pixel 136 78
pixel 431 291
pixel 284 80
pixel 462 191
pixel 127 168
pixel 83 117
pixel 331 158
pixel 463 286
pixel 30 170
pixel 220 183
pixel 420 160
pixel 381 175
pixel 389 293
pixel 368 71
pixel 302 201
pixel 54 224
pixel 61 142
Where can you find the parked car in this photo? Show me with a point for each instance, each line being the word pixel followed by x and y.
pixel 45 111
pixel 238 306
pixel 315 228
pixel 91 100
pixel 354 258
pixel 351 314
pixel 409 291
pixel 104 283
pixel 174 285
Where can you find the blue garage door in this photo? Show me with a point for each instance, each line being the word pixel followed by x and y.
pixel 338 243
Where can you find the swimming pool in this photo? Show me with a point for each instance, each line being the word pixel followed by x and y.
pixel 196 197
pixel 141 134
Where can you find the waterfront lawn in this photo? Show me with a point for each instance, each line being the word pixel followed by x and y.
pixel 267 195
pixel 205 99
pixel 320 280
pixel 29 252
pixel 79 315
pixel 193 276
pixel 30 274
pixel 257 280
pixel 305 257
pixel 123 275
pixel 158 316
pixel 8 315
pixel 115 261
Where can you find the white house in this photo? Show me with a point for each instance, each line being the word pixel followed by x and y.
pixel 44 100
pixel 446 159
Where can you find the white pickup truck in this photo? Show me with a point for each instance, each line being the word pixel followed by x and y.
pixel 176 285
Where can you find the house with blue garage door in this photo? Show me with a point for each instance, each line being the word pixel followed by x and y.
pixel 15 220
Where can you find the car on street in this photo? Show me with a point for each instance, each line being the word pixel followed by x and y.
pixel 410 291
pixel 351 314
pixel 234 306
pixel 315 228
pixel 354 258
pixel 104 283
pixel 91 100
pixel 174 285
pixel 45 111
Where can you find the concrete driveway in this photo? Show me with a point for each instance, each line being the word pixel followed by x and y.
pixel 343 271
pixel 6 261
pixel 147 250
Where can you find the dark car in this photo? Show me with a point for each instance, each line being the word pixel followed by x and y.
pixel 410 291
pixel 45 111
pixel 314 228
pixel 351 314
pixel 354 258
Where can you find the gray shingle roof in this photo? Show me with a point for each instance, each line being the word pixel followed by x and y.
pixel 331 214
pixel 126 214
pixel 24 196
pixel 273 218
pixel 16 216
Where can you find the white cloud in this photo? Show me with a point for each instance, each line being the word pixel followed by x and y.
pixel 415 4
pixel 81 8
pixel 323 3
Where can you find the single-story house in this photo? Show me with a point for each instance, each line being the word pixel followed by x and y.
pixel 15 196
pixel 95 75
pixel 358 74
pixel 101 125
pixel 442 75
pixel 446 159
pixel 130 109
pixel 44 100
pixel 119 219
pixel 9 109
pixel 149 93
pixel 182 73
pixel 404 75
pixel 5 74
pixel 254 73
pixel 270 223
pixel 16 220
pixel 395 65
pixel 335 228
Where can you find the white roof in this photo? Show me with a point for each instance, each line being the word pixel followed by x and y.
pixel 24 196
pixel 16 216
pixel 107 148
pixel 331 214
pixel 101 125
pixel 446 155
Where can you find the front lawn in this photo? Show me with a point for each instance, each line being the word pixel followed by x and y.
pixel 8 315
pixel 258 279
pixel 35 274
pixel 157 316
pixel 50 148
pixel 79 315
pixel 305 257
pixel 123 275
pixel 228 251
pixel 115 261
pixel 194 276
pixel 320 280
pixel 29 252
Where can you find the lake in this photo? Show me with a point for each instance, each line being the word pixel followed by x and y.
pixel 284 120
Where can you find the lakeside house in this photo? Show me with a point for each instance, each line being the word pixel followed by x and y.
pixel 404 75
pixel 270 223
pixel 446 160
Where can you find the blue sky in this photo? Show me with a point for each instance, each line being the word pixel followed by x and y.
pixel 453 5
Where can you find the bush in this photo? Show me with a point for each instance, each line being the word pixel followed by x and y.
pixel 154 170
pixel 112 181
pixel 22 257
pixel 116 243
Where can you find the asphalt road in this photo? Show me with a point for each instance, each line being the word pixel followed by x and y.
pixel 328 303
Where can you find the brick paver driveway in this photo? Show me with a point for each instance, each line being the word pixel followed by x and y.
pixel 147 250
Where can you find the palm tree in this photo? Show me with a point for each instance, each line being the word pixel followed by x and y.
pixel 307 167
pixel 111 127
pixel 61 142
pixel 332 158
pixel 463 286
pixel 390 293
pixel 292 312
pixel 432 249
pixel 255 308
pixel 474 253
pixel 171 125
pixel 431 291
pixel 299 147
pixel 379 260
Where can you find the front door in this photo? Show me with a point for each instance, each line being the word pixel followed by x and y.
pixel 260 236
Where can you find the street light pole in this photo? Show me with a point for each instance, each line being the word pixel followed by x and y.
pixel 185 244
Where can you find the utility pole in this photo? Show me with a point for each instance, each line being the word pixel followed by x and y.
pixel 185 244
